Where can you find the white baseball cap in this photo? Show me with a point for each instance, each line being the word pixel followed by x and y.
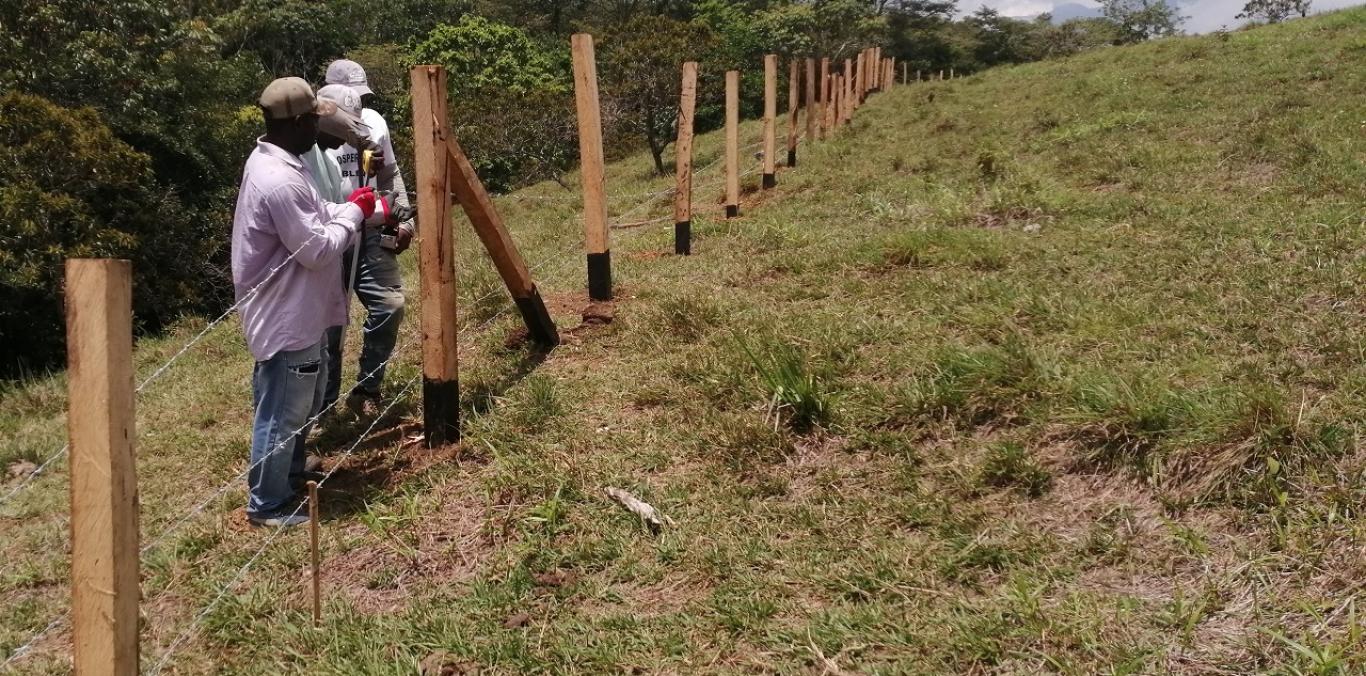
pixel 346 123
pixel 349 73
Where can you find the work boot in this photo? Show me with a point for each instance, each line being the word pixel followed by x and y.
pixel 289 516
pixel 363 404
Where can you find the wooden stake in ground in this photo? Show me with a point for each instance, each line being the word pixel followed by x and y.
pixel 950 73
pixel 812 113
pixel 591 168
pixel 851 76
pixel 687 103
pixel 488 225
pixel 770 120
pixel 732 143
pixel 436 260
pixel 824 123
pixel 313 546
pixel 793 79
pixel 875 72
pixel 847 77
pixel 837 85
pixel 905 70
pixel 104 489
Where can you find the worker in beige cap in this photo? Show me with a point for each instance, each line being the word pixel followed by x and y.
pixel 287 245
pixel 376 278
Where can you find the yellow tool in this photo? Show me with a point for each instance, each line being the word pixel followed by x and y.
pixel 367 161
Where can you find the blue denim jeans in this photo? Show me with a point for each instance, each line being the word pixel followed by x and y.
pixel 379 286
pixel 287 391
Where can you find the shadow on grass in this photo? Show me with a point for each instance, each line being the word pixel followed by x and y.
pixel 392 452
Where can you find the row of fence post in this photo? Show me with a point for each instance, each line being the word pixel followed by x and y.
pixel 103 486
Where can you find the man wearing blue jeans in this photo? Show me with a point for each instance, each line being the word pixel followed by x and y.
pixel 287 245
pixel 379 282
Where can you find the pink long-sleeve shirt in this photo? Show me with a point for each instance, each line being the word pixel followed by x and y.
pixel 279 214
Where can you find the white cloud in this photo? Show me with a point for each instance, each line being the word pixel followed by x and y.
pixel 1204 15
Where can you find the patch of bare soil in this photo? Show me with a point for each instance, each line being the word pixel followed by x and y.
pixel 445 546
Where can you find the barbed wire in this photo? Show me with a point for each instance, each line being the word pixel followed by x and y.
pixel 165 366
pixel 242 572
pixel 23 649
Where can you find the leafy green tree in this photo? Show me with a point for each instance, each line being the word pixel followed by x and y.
pixel 289 37
pixel 1274 11
pixel 484 56
pixel 1140 20
pixel 72 189
pixel 640 71
pixel 1077 35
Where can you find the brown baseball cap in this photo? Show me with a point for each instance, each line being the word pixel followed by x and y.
pixel 289 97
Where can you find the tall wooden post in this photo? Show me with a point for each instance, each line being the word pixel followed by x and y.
pixel 687 104
pixel 875 69
pixel 591 168
pixel 436 259
pixel 812 114
pixel 825 96
pixel 836 101
pixel 104 488
pixel 848 77
pixel 905 70
pixel 950 73
pixel 732 143
pixel 793 80
pixel 860 79
pixel 770 115
pixel 507 260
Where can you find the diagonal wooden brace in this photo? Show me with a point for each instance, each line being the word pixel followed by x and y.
pixel 464 183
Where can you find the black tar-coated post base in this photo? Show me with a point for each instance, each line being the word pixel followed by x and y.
pixel 441 411
pixel 600 276
pixel 792 158
pixel 539 325
pixel 683 238
pixel 770 180
pixel 732 210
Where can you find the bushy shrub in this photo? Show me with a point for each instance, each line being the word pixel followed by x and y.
pixel 71 189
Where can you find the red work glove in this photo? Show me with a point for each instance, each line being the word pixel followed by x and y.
pixel 365 199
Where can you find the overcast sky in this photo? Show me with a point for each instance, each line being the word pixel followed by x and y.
pixel 1205 15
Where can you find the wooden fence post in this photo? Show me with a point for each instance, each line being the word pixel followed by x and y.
pixel 837 84
pixel 846 79
pixel 812 115
pixel 591 169
pixel 436 260
pixel 687 104
pixel 793 80
pixel 905 71
pixel 875 73
pixel 824 122
pixel 770 115
pixel 507 260
pixel 103 485
pixel 732 143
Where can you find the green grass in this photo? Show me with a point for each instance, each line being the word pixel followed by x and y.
pixel 1056 368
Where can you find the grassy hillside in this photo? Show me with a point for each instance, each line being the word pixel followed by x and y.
pixel 1057 368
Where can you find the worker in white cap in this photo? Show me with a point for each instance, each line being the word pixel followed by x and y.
pixel 377 279
pixel 287 246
